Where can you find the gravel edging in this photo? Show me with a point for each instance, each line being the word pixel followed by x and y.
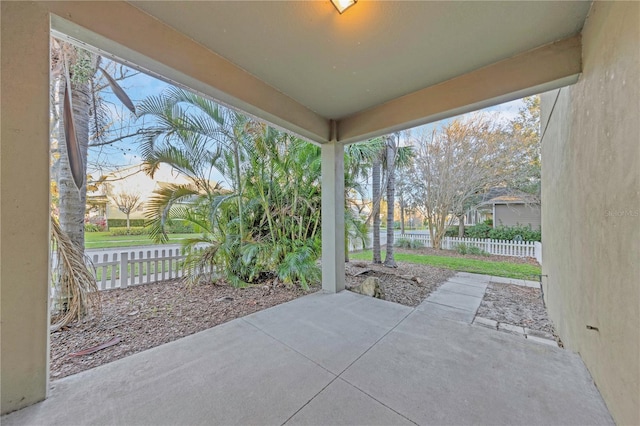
pixel 516 309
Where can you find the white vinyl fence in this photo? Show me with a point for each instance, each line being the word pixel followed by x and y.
pixel 121 269
pixel 499 247
pixel 132 267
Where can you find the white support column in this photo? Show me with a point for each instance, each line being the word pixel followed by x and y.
pixel 333 244
pixel 24 153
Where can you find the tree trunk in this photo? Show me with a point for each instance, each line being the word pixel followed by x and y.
pixel 128 222
pixel 377 258
pixel 461 226
pixel 401 215
pixel 346 245
pixel 72 201
pixel 236 160
pixel 389 259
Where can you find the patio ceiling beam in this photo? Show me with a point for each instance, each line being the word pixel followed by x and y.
pixel 544 68
pixel 156 47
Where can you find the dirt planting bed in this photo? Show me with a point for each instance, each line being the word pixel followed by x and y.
pixel 144 316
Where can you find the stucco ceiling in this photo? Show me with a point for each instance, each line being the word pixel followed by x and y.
pixel 339 65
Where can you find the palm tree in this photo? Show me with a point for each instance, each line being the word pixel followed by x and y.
pixel 72 70
pixel 390 155
pixel 376 196
pixel 359 158
pixel 79 119
pixel 267 223
pixel 76 116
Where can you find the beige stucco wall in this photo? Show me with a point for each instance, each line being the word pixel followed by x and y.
pixel 24 212
pixel 517 214
pixel 591 219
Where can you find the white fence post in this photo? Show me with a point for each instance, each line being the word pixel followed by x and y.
pixel 537 250
pixel 124 269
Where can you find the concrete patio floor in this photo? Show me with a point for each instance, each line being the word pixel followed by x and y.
pixel 330 359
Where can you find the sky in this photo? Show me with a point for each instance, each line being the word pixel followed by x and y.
pixel 139 86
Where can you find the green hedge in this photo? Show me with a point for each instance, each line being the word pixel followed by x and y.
pixel 122 223
pixel 134 230
pixel 480 230
pixel 179 227
pixel 175 227
pixel 518 232
pixel 509 233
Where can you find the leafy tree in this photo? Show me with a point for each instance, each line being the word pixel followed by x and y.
pixel 465 158
pixel 524 131
pixel 127 202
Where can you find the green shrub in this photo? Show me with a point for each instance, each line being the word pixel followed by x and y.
pixel 517 233
pixel 121 223
pixel 452 231
pixel 179 227
pixel 480 230
pixel 462 248
pixel 408 243
pixel 91 227
pixel 134 230
pixel 477 251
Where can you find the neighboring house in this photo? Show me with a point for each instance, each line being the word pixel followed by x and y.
pixel 97 206
pixel 511 210
pixel 504 206
pixel 474 217
pixel 130 180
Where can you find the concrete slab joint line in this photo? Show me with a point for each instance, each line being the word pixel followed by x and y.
pixel 511 328
pixel 533 335
pixel 485 322
pixel 403 366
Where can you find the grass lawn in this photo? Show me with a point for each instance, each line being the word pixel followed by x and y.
pixel 94 240
pixel 498 269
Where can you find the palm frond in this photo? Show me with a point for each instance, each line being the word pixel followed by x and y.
pixel 119 92
pixel 75 286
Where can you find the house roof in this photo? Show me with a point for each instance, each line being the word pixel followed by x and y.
pixel 97 199
pixel 379 67
pixel 509 198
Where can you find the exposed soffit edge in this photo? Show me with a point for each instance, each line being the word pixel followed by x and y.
pixel 133 34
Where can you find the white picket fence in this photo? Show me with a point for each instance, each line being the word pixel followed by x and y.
pixel 499 247
pixel 133 267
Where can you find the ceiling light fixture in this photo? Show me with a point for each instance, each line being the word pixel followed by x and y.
pixel 343 5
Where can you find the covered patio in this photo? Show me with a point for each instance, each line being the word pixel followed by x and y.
pixel 333 80
pixel 330 359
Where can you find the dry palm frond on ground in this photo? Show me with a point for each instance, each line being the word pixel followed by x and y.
pixel 76 288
